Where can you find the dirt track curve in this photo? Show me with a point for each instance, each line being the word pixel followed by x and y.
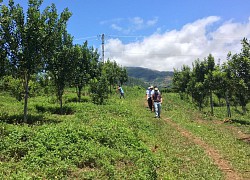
pixel 223 164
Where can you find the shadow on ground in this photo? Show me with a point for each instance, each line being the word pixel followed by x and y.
pixel 32 119
pixel 242 122
pixel 55 110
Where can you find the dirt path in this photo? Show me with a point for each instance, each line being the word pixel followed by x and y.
pixel 223 164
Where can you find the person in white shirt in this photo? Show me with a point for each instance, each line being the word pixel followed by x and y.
pixel 149 97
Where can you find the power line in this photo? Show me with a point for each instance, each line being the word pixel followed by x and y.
pixel 85 38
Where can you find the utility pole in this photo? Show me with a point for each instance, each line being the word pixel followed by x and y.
pixel 103 48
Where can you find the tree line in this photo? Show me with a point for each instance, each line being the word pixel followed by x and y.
pixel 229 81
pixel 36 49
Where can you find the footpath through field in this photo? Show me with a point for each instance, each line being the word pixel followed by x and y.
pixel 223 164
pixel 227 148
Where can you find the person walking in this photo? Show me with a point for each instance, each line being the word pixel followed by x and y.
pixel 121 91
pixel 157 101
pixel 149 98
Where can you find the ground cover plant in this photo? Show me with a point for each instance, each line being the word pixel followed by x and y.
pixel 60 117
pixel 119 140
pixel 229 136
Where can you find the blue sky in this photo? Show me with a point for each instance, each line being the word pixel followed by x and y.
pixel 159 34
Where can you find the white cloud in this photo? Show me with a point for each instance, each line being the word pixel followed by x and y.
pixel 137 21
pixel 116 27
pixel 152 22
pixel 173 49
pixel 130 25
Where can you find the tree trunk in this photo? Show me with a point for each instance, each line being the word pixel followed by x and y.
pixel 26 95
pixel 220 102
pixel 211 102
pixel 244 109
pixel 228 106
pixel 200 105
pixel 59 94
pixel 61 108
pixel 79 93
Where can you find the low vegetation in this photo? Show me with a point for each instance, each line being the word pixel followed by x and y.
pixel 119 140
pixel 60 116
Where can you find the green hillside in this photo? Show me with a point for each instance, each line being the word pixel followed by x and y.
pixel 159 78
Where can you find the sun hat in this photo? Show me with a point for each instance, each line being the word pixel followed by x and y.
pixel 151 87
pixel 156 89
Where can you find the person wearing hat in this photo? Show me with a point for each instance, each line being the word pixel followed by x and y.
pixel 149 97
pixel 157 101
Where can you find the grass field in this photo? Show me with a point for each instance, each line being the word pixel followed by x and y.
pixel 119 140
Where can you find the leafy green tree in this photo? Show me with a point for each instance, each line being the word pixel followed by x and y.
pixel 196 85
pixel 61 66
pixel 95 65
pixel 123 76
pixel 112 73
pixel 86 66
pixel 181 80
pixel 209 80
pixel 99 89
pixel 240 70
pixel 58 51
pixel 81 75
pixel 24 39
pixel 223 84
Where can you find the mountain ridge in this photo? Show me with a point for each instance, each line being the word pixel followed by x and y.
pixel 151 77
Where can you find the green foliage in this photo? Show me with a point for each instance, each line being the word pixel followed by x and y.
pixel 85 66
pixel 114 74
pixel 95 143
pixel 118 140
pixel 181 80
pixel 15 86
pixel 99 90
pixel 29 40
pixel 229 81
pixel 123 76
pixel 239 66
pixel 223 136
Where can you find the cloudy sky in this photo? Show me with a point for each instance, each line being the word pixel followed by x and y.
pixel 159 34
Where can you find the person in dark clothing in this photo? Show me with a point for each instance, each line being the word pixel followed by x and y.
pixel 149 98
pixel 157 101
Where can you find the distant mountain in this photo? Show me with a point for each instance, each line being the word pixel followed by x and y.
pixel 151 77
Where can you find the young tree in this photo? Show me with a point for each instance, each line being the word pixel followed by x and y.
pixel 112 73
pixel 209 80
pixel 81 61
pixel 98 87
pixel 224 84
pixel 23 39
pixel 196 85
pixel 123 75
pixel 85 60
pixel 181 80
pixel 240 71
